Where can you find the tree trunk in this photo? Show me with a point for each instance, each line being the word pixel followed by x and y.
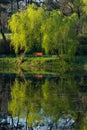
pixel 78 12
pixel 3 35
pixel 26 2
pixel 12 6
pixel 17 4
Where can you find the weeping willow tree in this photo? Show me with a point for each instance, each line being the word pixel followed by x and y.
pixel 59 34
pixel 25 27
pixel 38 28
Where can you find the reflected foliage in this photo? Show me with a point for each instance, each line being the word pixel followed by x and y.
pixel 18 96
pixel 52 98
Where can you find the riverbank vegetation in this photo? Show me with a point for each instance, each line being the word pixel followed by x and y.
pixel 43 65
pixel 54 28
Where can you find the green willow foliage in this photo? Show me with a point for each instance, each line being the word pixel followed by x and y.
pixel 59 34
pixel 19 98
pixel 85 5
pixel 25 27
pixel 54 98
pixel 38 27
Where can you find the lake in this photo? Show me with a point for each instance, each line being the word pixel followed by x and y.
pixel 43 102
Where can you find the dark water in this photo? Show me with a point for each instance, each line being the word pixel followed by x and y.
pixel 43 102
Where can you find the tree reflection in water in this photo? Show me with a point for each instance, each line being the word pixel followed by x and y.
pixel 36 103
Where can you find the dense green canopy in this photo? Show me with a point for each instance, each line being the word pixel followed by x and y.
pixel 36 27
pixel 25 27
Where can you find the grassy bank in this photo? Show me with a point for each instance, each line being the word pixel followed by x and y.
pixel 42 65
pixel 30 65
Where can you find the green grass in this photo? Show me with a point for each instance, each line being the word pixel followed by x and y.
pixel 43 65
pixel 11 63
pixel 8 65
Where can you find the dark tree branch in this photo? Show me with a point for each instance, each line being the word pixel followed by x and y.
pixel 2 33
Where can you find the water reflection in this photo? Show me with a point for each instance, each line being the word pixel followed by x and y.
pixel 53 103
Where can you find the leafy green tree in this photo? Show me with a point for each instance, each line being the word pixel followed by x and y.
pixel 59 34
pixel 72 6
pixel 79 7
pixel 50 30
pixel 25 27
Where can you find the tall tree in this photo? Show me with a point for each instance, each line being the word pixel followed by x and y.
pixel 1 31
pixel 59 34
pixel 17 1
pixel 25 27
pixel 2 8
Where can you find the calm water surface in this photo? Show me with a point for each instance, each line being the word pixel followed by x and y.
pixel 43 102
